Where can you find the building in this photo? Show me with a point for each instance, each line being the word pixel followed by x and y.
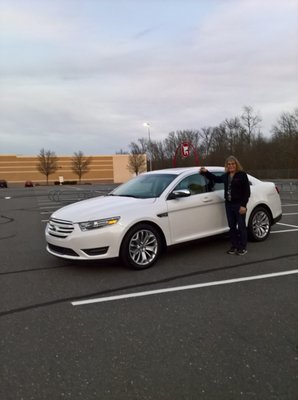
pixel 103 169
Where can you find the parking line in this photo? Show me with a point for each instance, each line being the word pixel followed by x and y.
pixel 285 231
pixel 291 226
pixel 181 288
pixel 290 214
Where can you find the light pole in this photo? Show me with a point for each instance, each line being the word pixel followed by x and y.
pixel 149 145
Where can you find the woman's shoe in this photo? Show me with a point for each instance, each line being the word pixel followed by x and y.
pixel 241 252
pixel 232 250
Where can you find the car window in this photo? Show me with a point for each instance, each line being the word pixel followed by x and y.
pixel 194 183
pixel 213 186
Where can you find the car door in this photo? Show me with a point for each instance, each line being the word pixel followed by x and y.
pixel 198 215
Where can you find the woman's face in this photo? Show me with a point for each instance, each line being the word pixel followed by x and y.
pixel 231 166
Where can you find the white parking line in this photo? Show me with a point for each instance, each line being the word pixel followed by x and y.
pixel 294 228
pixel 285 231
pixel 181 288
pixel 290 214
pixel 291 226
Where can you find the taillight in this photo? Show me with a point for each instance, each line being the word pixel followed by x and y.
pixel 277 189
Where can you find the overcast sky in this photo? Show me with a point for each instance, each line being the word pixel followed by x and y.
pixel 86 74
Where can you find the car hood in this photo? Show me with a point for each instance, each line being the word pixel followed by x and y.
pixel 101 207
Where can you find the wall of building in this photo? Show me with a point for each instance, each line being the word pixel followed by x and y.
pixel 18 169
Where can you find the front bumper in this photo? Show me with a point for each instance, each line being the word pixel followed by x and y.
pixel 99 243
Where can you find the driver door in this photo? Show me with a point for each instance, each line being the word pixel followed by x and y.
pixel 198 215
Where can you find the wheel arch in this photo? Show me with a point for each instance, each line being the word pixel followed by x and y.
pixel 147 222
pixel 252 234
pixel 260 205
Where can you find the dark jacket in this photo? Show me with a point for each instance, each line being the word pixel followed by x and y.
pixel 240 189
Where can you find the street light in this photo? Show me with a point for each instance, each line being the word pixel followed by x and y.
pixel 149 145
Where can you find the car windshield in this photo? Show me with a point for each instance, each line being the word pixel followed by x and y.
pixel 144 186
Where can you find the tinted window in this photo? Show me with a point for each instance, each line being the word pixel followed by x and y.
pixel 212 186
pixel 194 183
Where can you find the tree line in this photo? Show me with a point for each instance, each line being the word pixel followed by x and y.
pixel 48 163
pixel 240 136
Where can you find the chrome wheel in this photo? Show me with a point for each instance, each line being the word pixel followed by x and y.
pixel 141 247
pixel 260 224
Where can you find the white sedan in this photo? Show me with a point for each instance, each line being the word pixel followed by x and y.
pixel 152 211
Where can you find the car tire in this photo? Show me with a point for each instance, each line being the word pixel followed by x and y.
pixel 259 224
pixel 141 247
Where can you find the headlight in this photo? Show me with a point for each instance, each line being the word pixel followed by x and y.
pixel 99 223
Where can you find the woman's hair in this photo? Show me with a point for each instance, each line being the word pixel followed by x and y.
pixel 233 159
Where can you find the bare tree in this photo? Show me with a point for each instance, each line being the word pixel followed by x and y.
pixel 47 163
pixel 137 159
pixel 251 122
pixel 80 164
pixel 206 135
pixel 285 139
pixel 287 125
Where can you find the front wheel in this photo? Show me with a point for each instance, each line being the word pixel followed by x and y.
pixel 259 224
pixel 141 247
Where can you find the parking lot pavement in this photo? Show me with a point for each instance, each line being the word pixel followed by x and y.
pixel 233 335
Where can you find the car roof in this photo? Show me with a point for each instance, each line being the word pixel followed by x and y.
pixel 179 171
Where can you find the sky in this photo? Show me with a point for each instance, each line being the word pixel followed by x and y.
pixel 87 74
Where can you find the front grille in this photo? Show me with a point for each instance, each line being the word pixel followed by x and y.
pixel 60 228
pixel 65 251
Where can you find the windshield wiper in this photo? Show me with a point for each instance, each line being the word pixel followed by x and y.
pixel 123 195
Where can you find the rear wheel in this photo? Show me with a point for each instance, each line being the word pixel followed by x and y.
pixel 141 247
pixel 259 224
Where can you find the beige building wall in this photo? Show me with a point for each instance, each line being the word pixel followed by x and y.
pixel 18 169
pixel 121 173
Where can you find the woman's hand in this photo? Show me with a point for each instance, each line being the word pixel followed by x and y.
pixel 242 210
pixel 202 170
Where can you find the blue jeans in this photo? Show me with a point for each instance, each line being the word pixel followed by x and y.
pixel 236 222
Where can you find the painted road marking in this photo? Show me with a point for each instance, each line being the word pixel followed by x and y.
pixel 291 226
pixel 285 231
pixel 181 288
pixel 290 214
pixel 295 228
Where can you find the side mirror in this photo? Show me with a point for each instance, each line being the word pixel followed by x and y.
pixel 176 194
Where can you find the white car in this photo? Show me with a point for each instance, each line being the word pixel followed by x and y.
pixel 154 210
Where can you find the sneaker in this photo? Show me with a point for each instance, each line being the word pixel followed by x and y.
pixel 241 252
pixel 232 250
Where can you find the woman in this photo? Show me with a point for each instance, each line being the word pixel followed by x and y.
pixel 237 192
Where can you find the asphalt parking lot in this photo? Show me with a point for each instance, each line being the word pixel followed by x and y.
pixel 198 325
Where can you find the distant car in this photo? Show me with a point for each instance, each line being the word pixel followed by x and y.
pixel 154 210
pixel 29 184
pixel 3 183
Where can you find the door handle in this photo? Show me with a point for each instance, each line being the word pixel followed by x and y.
pixel 207 200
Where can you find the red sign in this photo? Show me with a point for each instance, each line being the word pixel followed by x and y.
pixel 185 149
